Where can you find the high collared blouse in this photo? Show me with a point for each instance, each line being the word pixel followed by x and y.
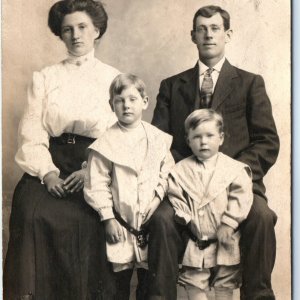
pixel 71 96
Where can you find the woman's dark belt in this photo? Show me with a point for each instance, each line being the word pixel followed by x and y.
pixel 141 235
pixel 70 138
pixel 201 244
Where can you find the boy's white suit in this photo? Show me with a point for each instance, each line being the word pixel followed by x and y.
pixel 114 181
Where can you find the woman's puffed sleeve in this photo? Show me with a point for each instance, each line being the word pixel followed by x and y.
pixel 33 155
pixel 97 191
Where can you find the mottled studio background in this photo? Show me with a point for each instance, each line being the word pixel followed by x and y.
pixel 152 40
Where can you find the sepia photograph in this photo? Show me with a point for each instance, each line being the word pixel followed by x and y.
pixel 146 150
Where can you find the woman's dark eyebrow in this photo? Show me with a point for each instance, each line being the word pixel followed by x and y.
pixel 82 23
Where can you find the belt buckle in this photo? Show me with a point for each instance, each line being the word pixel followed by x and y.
pixel 142 239
pixel 202 244
pixel 71 139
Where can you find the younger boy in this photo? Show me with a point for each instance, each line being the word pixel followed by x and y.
pixel 127 179
pixel 212 194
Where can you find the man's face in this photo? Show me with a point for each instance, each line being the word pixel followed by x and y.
pixel 210 37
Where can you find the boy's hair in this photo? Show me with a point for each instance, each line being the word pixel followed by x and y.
pixel 123 81
pixel 202 115
pixel 209 11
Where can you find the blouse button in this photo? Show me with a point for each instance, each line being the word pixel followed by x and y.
pixel 201 212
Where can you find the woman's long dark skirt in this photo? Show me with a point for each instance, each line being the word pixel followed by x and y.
pixel 57 248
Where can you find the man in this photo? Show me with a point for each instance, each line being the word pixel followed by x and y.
pixel 250 137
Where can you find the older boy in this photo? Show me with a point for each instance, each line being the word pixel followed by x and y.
pixel 127 179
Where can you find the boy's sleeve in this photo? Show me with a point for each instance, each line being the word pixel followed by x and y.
pixel 97 190
pixel 165 169
pixel 179 201
pixel 240 198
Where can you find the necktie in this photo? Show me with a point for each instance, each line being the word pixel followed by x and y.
pixel 206 90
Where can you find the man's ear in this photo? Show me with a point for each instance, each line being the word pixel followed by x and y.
pixel 193 36
pixel 228 36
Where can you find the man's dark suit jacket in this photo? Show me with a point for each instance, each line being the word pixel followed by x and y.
pixel 241 98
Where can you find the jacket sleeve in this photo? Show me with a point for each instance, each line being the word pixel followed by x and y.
pixel 179 201
pixel 97 191
pixel 165 168
pixel 33 154
pixel 161 115
pixel 263 147
pixel 240 199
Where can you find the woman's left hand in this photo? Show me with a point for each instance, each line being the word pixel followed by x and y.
pixel 75 181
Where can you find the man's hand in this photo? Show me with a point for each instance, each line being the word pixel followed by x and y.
pixel 150 209
pixel 113 231
pixel 54 185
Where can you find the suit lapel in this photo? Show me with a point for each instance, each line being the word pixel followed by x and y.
pixel 224 84
pixel 190 86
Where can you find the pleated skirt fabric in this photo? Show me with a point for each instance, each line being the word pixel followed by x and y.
pixel 57 247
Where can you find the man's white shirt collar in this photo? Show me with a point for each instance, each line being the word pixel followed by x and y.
pixel 203 68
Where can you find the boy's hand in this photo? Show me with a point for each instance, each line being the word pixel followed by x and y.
pixel 54 185
pixel 113 231
pixel 225 235
pixel 75 181
pixel 150 209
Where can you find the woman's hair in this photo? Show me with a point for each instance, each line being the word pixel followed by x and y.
pixel 123 81
pixel 93 8
pixel 203 115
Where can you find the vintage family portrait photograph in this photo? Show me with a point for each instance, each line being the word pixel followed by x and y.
pixel 146 150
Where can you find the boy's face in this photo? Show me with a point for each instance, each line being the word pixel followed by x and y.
pixel 129 106
pixel 205 139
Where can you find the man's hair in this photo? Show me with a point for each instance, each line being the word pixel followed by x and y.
pixel 211 10
pixel 123 81
pixel 200 116
pixel 62 8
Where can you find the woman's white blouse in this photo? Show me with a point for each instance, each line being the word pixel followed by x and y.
pixel 73 97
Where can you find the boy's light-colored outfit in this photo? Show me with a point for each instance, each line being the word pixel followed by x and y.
pixel 127 169
pixel 207 194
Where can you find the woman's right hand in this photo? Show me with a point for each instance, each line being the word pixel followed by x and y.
pixel 113 231
pixel 54 185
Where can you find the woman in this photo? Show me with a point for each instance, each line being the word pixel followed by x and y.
pixel 56 248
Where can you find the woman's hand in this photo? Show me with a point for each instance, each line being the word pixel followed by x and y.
pixel 75 181
pixel 150 209
pixel 54 185
pixel 113 231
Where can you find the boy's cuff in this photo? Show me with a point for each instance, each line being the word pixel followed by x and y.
pixel 229 221
pixel 106 213
pixel 160 192
pixel 182 218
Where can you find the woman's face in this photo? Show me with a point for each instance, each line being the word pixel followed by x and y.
pixel 78 33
